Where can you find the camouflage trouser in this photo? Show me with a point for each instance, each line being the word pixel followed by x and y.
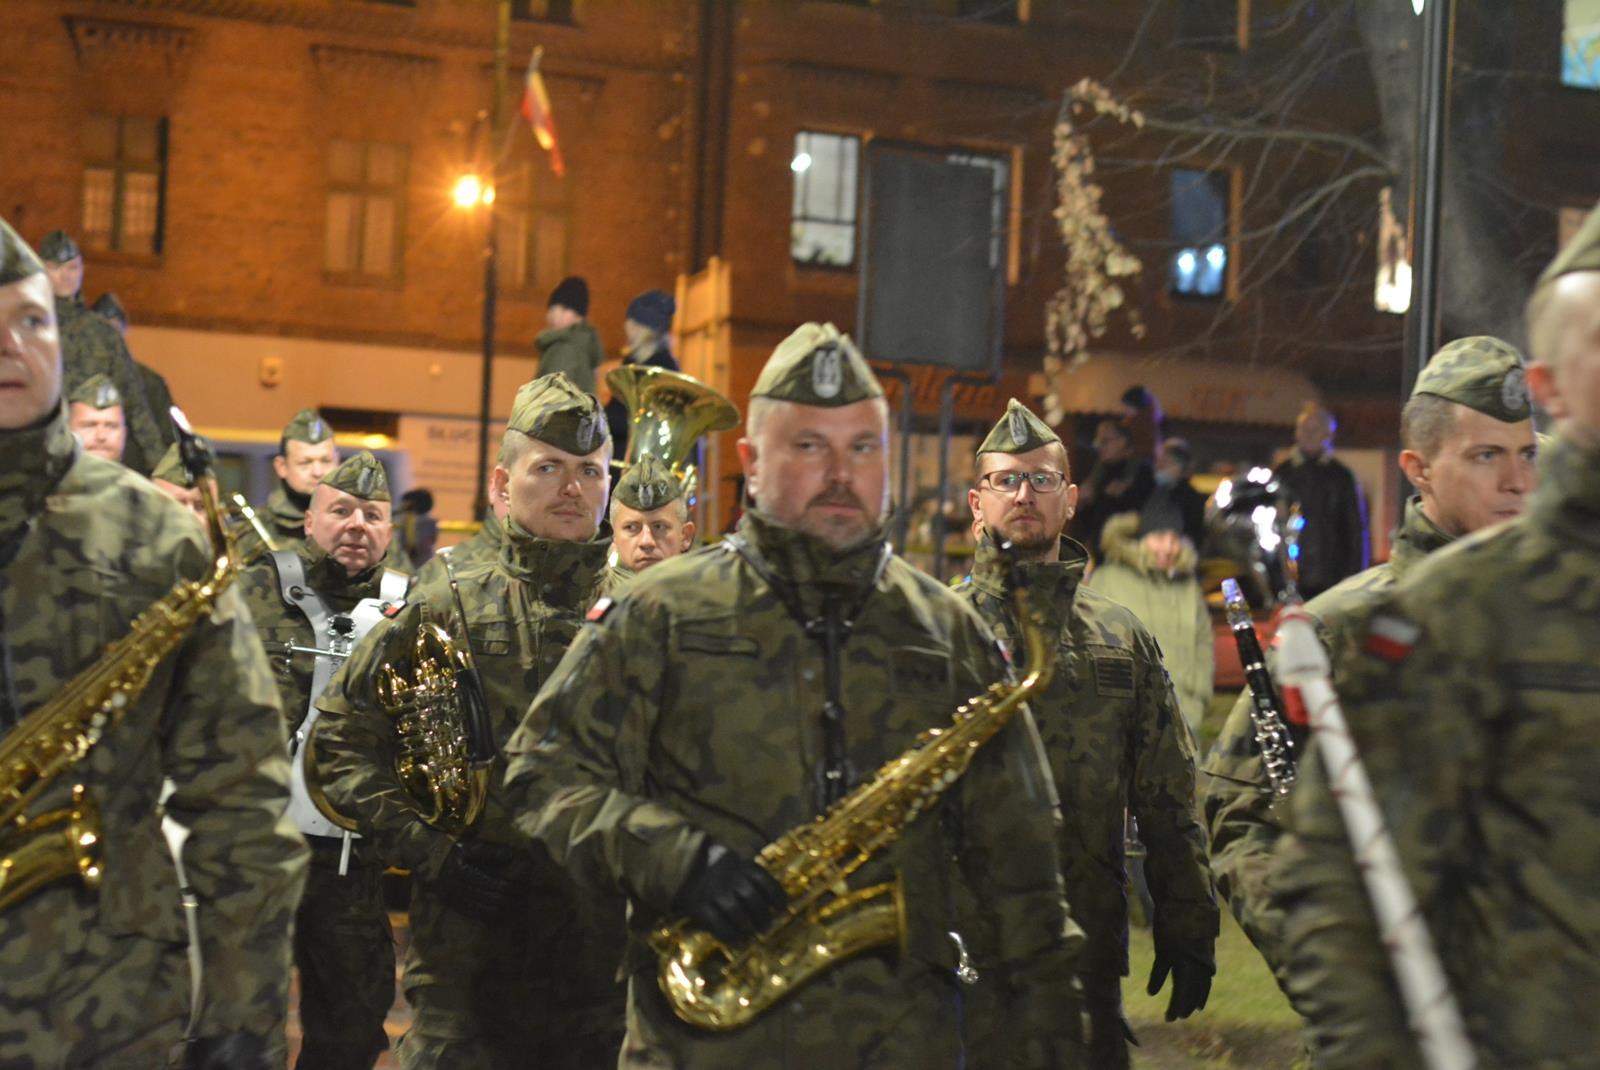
pixel 344 950
pixel 1108 1036
pixel 121 1001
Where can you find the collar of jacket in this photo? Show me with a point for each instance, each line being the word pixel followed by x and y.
pixel 811 566
pixel 1416 538
pixel 1568 498
pixel 493 530
pixel 1121 545
pixel 565 572
pixel 288 507
pixel 329 578
pixel 33 461
pixel 1052 585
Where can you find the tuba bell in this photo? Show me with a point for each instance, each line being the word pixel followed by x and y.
pixel 667 414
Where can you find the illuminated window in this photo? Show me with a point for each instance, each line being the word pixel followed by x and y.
pixel 124 183
pixel 1580 44
pixel 1200 231
pixel 366 209
pixel 822 223
pixel 534 223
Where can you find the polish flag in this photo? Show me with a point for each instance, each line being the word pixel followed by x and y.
pixel 536 109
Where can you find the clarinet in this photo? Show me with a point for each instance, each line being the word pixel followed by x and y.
pixel 1266 708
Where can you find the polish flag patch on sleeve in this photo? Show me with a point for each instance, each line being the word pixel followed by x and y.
pixel 598 611
pixel 1391 638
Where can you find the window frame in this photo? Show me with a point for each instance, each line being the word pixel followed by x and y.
pixel 120 167
pixel 365 189
pixel 1232 202
pixel 860 138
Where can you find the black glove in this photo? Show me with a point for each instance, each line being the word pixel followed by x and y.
pixel 484 881
pixel 730 897
pixel 1191 982
pixel 231 1051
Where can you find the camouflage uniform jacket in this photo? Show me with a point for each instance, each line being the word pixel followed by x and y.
pixel 1116 742
pixel 523 611
pixel 1236 796
pixel 91 346
pixel 690 713
pixel 1476 722
pixel 85 546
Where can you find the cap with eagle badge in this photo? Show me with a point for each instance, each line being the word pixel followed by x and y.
pixel 97 391
pixel 362 476
pixel 648 484
pixel 309 427
pixel 553 410
pixel 1018 431
pixel 817 365
pixel 18 261
pixel 58 247
pixel 1482 373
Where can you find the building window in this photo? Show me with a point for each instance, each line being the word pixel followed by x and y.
pixel 1200 231
pixel 366 207
pixel 822 227
pixel 1580 44
pixel 124 183
pixel 542 10
pixel 1213 25
pixel 534 227
pixel 1004 12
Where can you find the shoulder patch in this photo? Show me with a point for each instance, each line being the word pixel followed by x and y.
pixel 598 611
pixel 1391 638
pixel 1113 676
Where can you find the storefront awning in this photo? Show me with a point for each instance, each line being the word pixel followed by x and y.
pixel 1209 390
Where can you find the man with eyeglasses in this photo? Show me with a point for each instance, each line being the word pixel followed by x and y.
pixel 509 963
pixel 1111 729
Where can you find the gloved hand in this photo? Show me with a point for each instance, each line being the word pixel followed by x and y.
pixel 231 1051
pixel 730 897
pixel 484 881
pixel 1191 982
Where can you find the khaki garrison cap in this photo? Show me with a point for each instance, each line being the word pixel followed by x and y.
pixel 17 259
pixel 361 475
pixel 58 247
pixel 308 426
pixel 1582 253
pixel 97 391
pixel 554 411
pixel 1018 431
pixel 648 485
pixel 1482 373
pixel 816 365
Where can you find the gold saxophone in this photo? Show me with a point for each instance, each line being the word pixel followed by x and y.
pixel 714 986
pixel 39 849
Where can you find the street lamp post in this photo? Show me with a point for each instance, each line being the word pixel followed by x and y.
pixel 491 247
pixel 1433 110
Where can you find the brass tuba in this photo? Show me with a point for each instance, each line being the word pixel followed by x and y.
pixel 667 414
pixel 717 987
pixel 37 850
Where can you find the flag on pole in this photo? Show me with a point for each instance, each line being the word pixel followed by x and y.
pixel 536 109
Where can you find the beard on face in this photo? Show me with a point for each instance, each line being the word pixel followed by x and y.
pixel 1027 541
pixel 842 533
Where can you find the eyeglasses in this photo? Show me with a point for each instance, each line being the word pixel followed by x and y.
pixel 1011 482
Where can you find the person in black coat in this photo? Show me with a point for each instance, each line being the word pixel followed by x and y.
pixel 1119 482
pixel 1334 542
pixel 646 327
pixel 1172 474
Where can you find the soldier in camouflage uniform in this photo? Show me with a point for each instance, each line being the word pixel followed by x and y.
pixel 94 414
pixel 91 346
pixel 649 518
pixel 1111 728
pixel 1468 447
pixel 343 946
pixel 306 453
pixel 719 704
pixel 1473 703
pixel 99 978
pixel 509 962
pixel 156 390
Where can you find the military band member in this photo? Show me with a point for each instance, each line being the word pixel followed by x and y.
pixel 156 390
pixel 343 946
pixel 306 453
pixel 508 963
pixel 649 517
pixel 99 977
pixel 92 346
pixel 1473 705
pixel 1468 447
pixel 686 729
pixel 94 414
pixel 1112 730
